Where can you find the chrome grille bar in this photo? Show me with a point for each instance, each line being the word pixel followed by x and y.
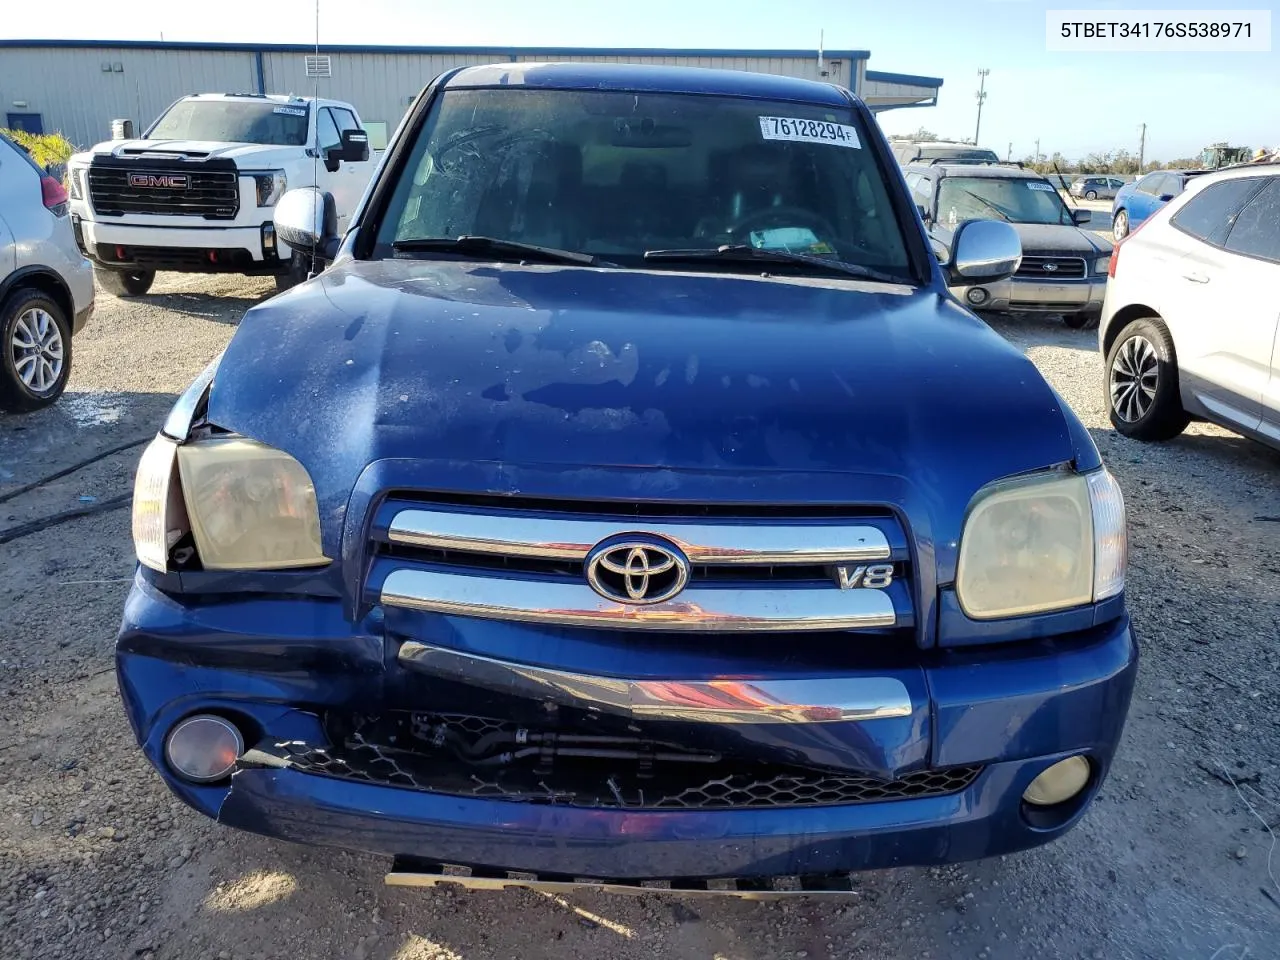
pixel 570 538
pixel 696 609
pixel 820 700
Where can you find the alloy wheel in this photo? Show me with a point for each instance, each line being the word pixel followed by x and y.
pixel 1135 374
pixel 36 350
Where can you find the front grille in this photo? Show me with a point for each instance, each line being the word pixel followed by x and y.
pixel 694 781
pixel 209 194
pixel 1049 268
pixel 763 569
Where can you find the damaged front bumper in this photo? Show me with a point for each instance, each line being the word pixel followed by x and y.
pixel 436 754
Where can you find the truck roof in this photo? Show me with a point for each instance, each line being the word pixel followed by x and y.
pixel 993 171
pixel 272 97
pixel 651 79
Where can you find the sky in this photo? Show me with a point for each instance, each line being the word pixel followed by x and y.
pixel 1074 103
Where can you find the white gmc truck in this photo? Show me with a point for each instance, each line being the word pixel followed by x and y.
pixel 197 193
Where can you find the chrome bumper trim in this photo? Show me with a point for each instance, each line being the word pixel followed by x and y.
pixel 696 609
pixel 820 700
pixel 569 538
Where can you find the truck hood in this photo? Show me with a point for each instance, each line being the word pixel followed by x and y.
pixel 246 155
pixel 581 382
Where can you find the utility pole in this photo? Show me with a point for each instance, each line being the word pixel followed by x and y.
pixel 1037 159
pixel 1142 148
pixel 1009 155
pixel 982 96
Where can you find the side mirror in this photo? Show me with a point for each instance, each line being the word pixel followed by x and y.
pixel 1081 216
pixel 353 148
pixel 983 251
pixel 1166 197
pixel 924 213
pixel 307 220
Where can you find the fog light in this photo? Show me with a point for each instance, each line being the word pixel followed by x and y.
pixel 268 240
pixel 977 296
pixel 1059 783
pixel 203 748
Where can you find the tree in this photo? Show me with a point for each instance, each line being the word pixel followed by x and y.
pixel 921 134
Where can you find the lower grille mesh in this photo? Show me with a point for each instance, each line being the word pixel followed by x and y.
pixel 768 786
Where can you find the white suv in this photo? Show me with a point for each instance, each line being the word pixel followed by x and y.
pixel 46 286
pixel 197 193
pixel 1192 308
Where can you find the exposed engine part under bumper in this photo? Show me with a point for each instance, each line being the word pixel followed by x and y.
pixel 407 872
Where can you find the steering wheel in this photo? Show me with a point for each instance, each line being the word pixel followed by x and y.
pixel 783 217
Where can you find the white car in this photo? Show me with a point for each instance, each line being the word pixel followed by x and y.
pixel 1191 312
pixel 46 286
pixel 197 193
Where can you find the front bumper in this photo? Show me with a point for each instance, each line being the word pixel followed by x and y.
pixel 1013 712
pixel 229 249
pixel 1037 296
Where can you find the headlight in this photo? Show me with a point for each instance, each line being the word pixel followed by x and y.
pixel 1102 264
pixel 247 506
pixel 270 186
pixel 74 183
pixel 158 518
pixel 1042 543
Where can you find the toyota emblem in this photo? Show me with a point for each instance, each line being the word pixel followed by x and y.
pixel 639 570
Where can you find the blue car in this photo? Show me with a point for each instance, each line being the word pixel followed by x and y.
pixel 628 502
pixel 1138 200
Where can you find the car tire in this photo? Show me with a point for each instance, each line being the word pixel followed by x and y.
pixel 36 337
pixel 126 283
pixel 1140 385
pixel 1091 195
pixel 1081 321
pixel 1120 225
pixel 297 272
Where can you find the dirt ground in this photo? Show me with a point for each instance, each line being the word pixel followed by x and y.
pixel 97 860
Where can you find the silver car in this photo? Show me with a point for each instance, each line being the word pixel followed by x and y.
pixel 1096 188
pixel 46 285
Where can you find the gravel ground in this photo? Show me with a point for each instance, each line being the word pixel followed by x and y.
pixel 98 861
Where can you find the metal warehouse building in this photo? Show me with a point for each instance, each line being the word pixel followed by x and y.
pixel 78 87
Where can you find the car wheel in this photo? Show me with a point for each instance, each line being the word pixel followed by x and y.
pixel 1120 225
pixel 1091 195
pixel 1142 383
pixel 36 338
pixel 126 283
pixel 1079 321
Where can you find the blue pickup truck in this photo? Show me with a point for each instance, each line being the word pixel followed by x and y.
pixel 629 503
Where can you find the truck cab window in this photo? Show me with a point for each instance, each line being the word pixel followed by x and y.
pixel 327 134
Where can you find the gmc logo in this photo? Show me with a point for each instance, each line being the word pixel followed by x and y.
pixel 165 181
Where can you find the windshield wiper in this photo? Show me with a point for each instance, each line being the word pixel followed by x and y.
pixel 990 206
pixel 741 252
pixel 494 248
